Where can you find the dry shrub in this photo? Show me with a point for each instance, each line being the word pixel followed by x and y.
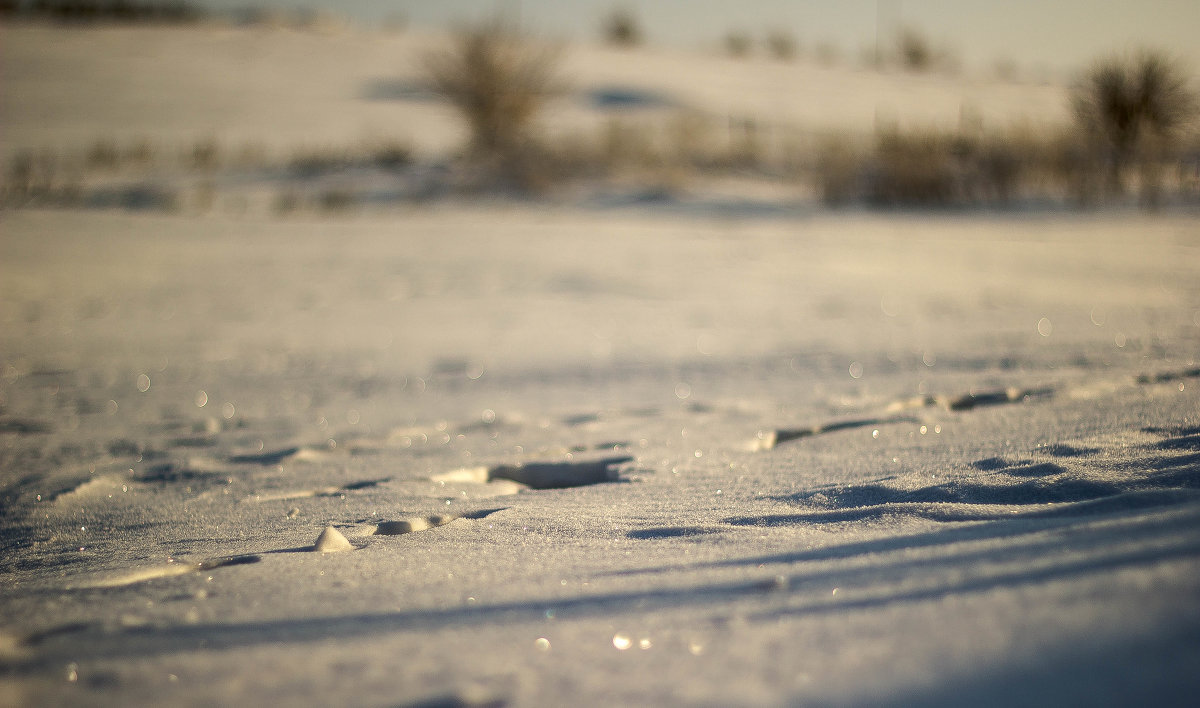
pixel 1188 170
pixel 738 44
pixel 498 82
pixel 1071 165
pixel 1015 163
pixel 391 155
pixel 781 45
pixel 691 141
pixel 23 177
pixel 336 199
pixel 204 154
pixel 313 162
pixel 621 29
pixel 919 169
pixel 685 143
pixel 38 178
pixel 839 170
pixel 103 155
pixel 1134 107
pixel 931 168
pixel 914 50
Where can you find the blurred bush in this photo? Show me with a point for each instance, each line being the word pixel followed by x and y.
pixel 839 171
pixel 737 44
pixel 1134 108
pixel 621 29
pixel 1132 117
pixel 914 50
pixel 498 82
pixel 911 49
pixel 781 45
pixel 919 168
pixel 947 169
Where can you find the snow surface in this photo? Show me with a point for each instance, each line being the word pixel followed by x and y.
pixel 187 404
pixel 825 458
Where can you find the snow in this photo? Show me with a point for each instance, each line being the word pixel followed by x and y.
pixel 981 485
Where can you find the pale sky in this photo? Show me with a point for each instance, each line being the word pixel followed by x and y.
pixel 1051 34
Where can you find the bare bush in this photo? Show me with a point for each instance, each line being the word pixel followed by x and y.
pixel 498 82
pixel 737 44
pixel 916 168
pixel 781 45
pixel 933 168
pixel 839 170
pixel 1134 106
pixel 621 29
pixel 913 50
pixel 916 53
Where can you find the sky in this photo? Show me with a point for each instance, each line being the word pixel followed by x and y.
pixel 1043 34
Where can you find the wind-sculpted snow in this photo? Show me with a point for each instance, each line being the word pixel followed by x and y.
pixel 1009 489
pixel 550 459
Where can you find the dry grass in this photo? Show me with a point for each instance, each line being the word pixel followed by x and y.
pixel 929 168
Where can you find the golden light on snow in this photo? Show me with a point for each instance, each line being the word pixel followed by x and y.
pixel 331 541
pixel 722 267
